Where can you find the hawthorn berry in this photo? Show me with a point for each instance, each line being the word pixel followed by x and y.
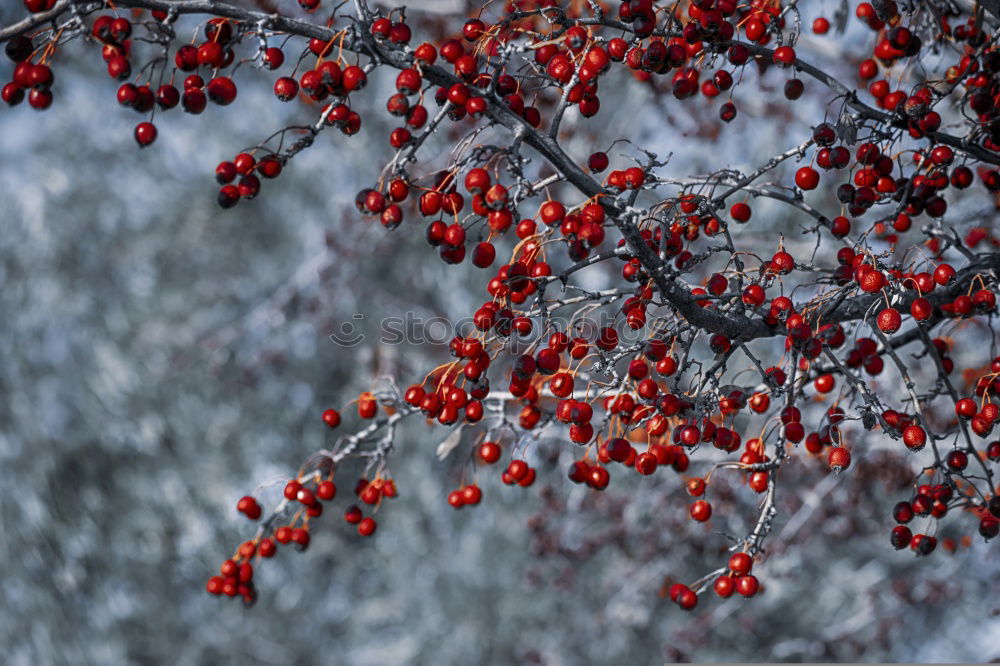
pixel 914 437
pixel 740 564
pixel 966 408
pixel 301 537
pixel 784 56
pixel 944 274
pixel 12 94
pixel 145 134
pixel 221 90
pixel 740 212
pixel 326 490
pixel 597 162
pixel 353 515
pixel 807 178
pixel 921 309
pixel 839 458
pixel 747 585
pixel 249 507
pixel 701 511
pixel 286 88
pixel 889 320
pixel 599 477
pixel 727 113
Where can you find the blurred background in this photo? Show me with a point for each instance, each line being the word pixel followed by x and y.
pixel 160 358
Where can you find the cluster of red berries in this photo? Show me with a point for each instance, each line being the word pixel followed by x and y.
pixel 492 205
pixel 469 495
pixel 737 578
pixel 447 401
pixel 469 206
pixel 307 494
pixel 933 501
pixel 35 77
pixel 249 170
pixel 214 53
pixel 981 420
pixel 708 25
pixel 235 577
pixel 980 75
pixel 371 493
pixel 519 473
pixel 621 451
pixel 491 202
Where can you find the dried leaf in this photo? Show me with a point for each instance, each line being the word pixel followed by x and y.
pixel 847 128
pixel 449 443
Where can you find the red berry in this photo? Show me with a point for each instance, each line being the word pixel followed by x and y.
pixel 740 563
pixel 301 537
pixel 701 511
pixel 145 134
pixel 354 78
pixel 249 507
pixel 944 274
pixel 914 437
pixel 687 599
pixel 167 97
pixel 367 526
pixel 747 586
pixel 784 56
pixel 597 162
pixel 215 585
pixel 966 408
pixel 900 537
pixel 645 463
pixel 599 478
pixel 807 178
pixel 889 320
pixel 331 417
pixel 740 212
pixel 921 309
pixel 12 94
pixel 273 57
pixel 958 460
pixel 472 495
pixel 286 88
pixel 839 458
pixel 517 469
pixel 326 490
pixel 782 263
pixel 229 196
pixel 210 54
pixel 724 586
pixel 489 452
pixel 119 68
pixel 221 90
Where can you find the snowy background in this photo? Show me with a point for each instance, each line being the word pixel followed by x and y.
pixel 160 357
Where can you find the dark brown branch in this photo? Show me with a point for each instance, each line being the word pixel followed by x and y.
pixel 735 326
